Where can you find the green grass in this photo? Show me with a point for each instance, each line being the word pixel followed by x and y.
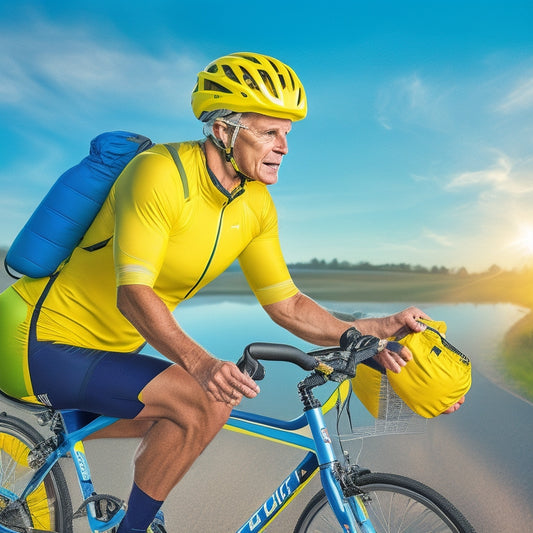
pixel 517 352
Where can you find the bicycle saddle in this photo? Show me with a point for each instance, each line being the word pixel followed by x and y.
pixel 33 408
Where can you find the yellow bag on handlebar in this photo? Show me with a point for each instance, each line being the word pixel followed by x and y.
pixel 438 376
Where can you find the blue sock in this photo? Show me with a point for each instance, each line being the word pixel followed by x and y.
pixel 141 511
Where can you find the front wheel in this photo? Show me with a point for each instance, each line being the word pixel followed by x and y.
pixel 394 503
pixel 48 507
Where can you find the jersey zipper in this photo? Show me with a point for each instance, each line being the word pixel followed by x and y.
pixel 237 193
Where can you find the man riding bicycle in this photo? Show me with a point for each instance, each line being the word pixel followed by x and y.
pixel 72 340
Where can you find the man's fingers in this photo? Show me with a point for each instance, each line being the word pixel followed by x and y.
pixel 243 382
pixel 229 385
pixel 406 354
pixel 396 358
pixel 240 382
pixel 396 362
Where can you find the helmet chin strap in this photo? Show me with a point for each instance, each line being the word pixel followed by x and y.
pixel 228 153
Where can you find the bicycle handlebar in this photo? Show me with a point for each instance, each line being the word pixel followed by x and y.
pixel 249 362
pixel 330 362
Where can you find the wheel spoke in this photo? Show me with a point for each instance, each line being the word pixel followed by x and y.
pixel 395 504
pixel 47 507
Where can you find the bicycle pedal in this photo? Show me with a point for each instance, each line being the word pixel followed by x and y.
pixel 106 507
pixel 158 524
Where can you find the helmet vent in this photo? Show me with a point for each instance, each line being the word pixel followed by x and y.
pixel 250 58
pixel 214 86
pixel 292 81
pixel 268 82
pixel 274 66
pixel 247 77
pixel 230 74
pixel 213 69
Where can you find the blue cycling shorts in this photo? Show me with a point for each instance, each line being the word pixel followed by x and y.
pixel 107 383
pixel 68 377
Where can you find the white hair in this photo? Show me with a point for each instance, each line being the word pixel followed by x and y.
pixel 210 117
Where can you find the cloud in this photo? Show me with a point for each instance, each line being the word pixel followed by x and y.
pixel 46 69
pixel 411 99
pixel 494 176
pixel 442 240
pixel 503 176
pixel 495 204
pixel 479 103
pixel 519 98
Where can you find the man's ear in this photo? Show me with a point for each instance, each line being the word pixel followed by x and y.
pixel 221 132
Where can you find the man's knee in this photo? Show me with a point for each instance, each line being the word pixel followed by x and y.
pixel 206 418
pixel 176 395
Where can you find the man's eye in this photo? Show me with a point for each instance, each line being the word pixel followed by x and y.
pixel 266 135
pixel 269 135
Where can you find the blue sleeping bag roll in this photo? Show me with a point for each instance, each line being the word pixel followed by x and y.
pixel 66 212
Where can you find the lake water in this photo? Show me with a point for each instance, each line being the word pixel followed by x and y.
pixel 225 325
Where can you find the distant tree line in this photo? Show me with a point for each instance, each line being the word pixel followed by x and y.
pixel 335 264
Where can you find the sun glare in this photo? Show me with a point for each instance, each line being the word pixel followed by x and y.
pixel 525 240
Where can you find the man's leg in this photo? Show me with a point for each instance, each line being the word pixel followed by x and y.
pixel 179 421
pixel 155 399
pixel 186 420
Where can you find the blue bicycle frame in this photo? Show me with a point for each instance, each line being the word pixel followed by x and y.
pixel 76 430
pixel 350 511
pixel 320 456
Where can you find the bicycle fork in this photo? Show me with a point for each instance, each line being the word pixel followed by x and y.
pixel 350 511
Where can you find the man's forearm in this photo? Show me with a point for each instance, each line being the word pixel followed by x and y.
pixel 308 320
pixel 152 319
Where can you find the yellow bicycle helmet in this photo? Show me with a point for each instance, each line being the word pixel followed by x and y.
pixel 249 83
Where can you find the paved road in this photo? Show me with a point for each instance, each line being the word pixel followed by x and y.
pixel 481 458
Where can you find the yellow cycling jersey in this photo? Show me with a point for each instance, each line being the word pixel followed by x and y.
pixel 172 232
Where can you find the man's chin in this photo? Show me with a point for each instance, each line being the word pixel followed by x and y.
pixel 269 179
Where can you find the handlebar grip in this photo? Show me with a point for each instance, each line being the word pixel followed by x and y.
pixel 281 352
pixel 249 362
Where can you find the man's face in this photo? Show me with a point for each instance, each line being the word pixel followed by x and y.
pixel 261 145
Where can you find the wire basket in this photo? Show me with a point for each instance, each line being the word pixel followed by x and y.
pixel 367 406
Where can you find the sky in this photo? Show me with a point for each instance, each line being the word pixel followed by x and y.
pixel 417 147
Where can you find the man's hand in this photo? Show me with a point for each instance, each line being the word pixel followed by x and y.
pixel 394 356
pixel 455 406
pixel 401 324
pixel 224 382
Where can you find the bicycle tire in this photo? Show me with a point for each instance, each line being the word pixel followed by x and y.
pixel 48 507
pixel 394 503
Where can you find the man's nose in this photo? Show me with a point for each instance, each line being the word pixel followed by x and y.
pixel 282 145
